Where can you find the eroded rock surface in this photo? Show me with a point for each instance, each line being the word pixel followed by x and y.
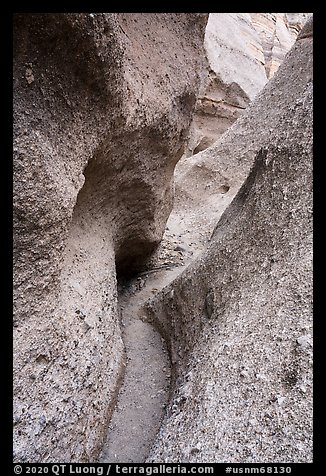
pixel 243 50
pixel 238 319
pixel 102 106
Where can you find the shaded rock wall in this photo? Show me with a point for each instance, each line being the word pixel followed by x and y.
pixel 243 50
pixel 238 319
pixel 102 107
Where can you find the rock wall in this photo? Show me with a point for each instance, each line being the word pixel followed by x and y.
pixel 238 319
pixel 277 33
pixel 102 107
pixel 243 50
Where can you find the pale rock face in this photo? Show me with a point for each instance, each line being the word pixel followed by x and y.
pixel 102 107
pixel 239 318
pixel 243 50
pixel 277 32
pixel 232 45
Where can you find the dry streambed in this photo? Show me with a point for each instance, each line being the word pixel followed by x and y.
pixel 144 393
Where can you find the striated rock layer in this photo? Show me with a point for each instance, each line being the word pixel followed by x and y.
pixel 277 33
pixel 102 106
pixel 243 50
pixel 238 320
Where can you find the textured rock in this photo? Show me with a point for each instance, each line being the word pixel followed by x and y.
pixel 244 50
pixel 277 32
pixel 238 320
pixel 102 106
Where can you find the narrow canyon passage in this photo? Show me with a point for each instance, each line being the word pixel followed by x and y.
pixel 144 394
pixel 142 133
pixel 145 390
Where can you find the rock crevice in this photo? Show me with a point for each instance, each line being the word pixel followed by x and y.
pixel 99 129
